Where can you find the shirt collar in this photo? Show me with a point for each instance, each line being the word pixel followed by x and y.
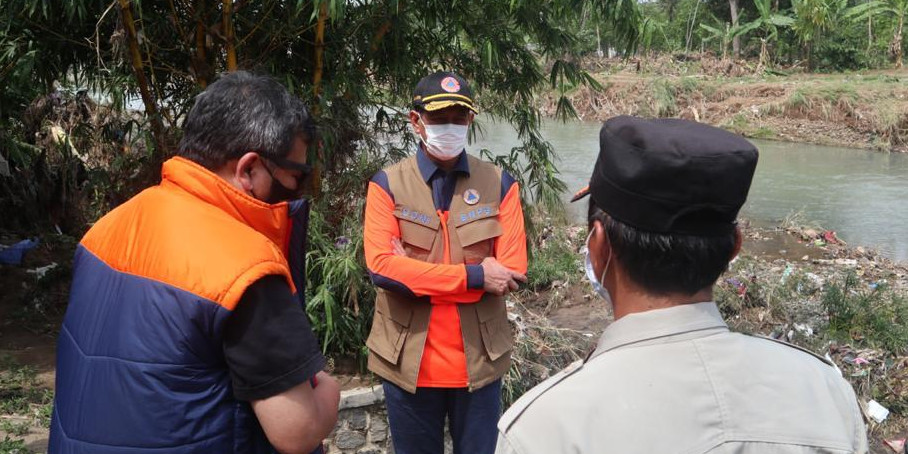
pixel 660 323
pixel 427 167
pixel 271 220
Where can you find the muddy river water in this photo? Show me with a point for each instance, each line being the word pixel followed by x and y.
pixel 862 195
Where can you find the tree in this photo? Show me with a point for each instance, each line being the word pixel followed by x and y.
pixel 736 40
pixel 354 62
pixel 812 18
pixel 897 10
pixel 769 23
pixel 717 34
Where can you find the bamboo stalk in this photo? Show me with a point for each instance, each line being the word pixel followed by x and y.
pixel 138 67
pixel 229 34
pixel 379 35
pixel 319 49
pixel 201 59
pixel 316 90
pixel 176 20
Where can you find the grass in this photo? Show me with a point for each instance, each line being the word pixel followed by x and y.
pixel 741 124
pixel 21 393
pixel 12 446
pixel 798 99
pixel 838 92
pixel 763 132
pixel 15 428
pixel 891 123
pixel 556 259
pixel 540 350
pixel 872 316
pixel 664 103
pixel 690 85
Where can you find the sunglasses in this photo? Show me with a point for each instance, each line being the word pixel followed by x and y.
pixel 305 170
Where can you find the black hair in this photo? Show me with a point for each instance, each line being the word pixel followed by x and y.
pixel 243 112
pixel 665 264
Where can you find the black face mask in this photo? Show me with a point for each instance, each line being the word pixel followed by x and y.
pixel 280 193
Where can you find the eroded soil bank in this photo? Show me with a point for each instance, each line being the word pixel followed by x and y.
pixel 858 109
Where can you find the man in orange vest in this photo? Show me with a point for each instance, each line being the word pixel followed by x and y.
pixel 444 241
pixel 185 331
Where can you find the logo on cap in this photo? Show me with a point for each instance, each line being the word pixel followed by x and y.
pixel 471 196
pixel 450 85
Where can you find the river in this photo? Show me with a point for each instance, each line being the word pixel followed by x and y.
pixel 862 195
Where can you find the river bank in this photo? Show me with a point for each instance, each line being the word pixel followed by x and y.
pixel 857 109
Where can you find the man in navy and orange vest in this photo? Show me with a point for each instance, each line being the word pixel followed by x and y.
pixel 185 331
pixel 444 241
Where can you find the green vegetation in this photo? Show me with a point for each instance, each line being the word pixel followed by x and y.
pixel 15 428
pixel 21 393
pixel 94 93
pixel 556 258
pixel 825 35
pixel 13 446
pixel 873 317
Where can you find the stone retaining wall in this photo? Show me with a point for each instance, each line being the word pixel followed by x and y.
pixel 362 424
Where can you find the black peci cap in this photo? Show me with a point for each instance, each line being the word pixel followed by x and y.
pixel 671 176
pixel 443 89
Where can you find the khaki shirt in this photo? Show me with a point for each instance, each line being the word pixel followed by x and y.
pixel 677 380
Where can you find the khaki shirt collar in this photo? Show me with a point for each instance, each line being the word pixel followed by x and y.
pixel 661 325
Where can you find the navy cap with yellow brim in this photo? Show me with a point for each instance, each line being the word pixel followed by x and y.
pixel 443 89
pixel 441 101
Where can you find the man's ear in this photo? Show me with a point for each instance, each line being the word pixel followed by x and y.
pixel 600 247
pixel 415 123
pixel 245 167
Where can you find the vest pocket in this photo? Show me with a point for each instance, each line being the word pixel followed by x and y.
pixel 390 328
pixel 477 239
pixel 418 237
pixel 494 327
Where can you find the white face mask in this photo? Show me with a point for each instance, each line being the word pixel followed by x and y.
pixel 591 274
pixel 444 141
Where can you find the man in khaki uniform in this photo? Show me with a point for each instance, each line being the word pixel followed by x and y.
pixel 668 376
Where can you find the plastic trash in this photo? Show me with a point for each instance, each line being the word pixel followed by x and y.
pixel 13 255
pixel 860 361
pixel 804 329
pixel 739 286
pixel 876 411
pixel 41 271
pixel 830 237
pixel 897 445
pixel 786 273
